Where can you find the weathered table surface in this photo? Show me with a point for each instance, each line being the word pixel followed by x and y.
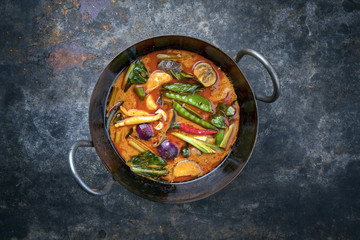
pixel 303 179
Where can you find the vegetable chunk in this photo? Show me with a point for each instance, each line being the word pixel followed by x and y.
pixel 156 79
pixel 205 74
pixel 187 168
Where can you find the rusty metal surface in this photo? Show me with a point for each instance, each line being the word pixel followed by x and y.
pixel 303 178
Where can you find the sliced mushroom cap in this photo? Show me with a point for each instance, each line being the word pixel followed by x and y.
pixel 205 74
pixel 187 168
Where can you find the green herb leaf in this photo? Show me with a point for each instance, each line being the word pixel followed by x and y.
pixel 138 75
pixel 148 159
pixel 148 164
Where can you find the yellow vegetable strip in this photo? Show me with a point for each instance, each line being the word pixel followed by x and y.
pixel 136 146
pixel 133 112
pixel 196 143
pixel 117 137
pixel 113 95
pixel 138 120
pixel 227 136
pixel 141 144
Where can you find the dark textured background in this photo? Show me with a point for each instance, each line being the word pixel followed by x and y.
pixel 303 179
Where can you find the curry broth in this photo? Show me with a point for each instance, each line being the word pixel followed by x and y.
pixel 222 91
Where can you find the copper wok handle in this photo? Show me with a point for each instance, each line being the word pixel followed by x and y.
pixel 269 68
pixel 74 147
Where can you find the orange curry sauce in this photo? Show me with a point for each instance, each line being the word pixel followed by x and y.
pixel 222 91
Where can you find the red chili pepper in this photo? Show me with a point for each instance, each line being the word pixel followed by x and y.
pixel 190 129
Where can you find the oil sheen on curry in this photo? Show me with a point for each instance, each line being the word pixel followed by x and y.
pixel 172 115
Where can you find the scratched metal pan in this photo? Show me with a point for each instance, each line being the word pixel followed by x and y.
pixel 200 187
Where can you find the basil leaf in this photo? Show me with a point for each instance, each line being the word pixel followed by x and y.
pixel 138 75
pixel 148 164
pixel 148 159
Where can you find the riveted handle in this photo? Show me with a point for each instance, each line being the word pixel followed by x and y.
pixel 269 68
pixel 74 147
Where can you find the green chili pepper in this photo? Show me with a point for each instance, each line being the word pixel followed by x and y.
pixel 230 111
pixel 193 99
pixel 185 114
pixel 219 118
pixel 185 151
pixel 219 137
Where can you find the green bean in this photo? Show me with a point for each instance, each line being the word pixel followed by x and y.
pixel 183 87
pixel 191 110
pixel 187 115
pixel 193 99
pixel 140 92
